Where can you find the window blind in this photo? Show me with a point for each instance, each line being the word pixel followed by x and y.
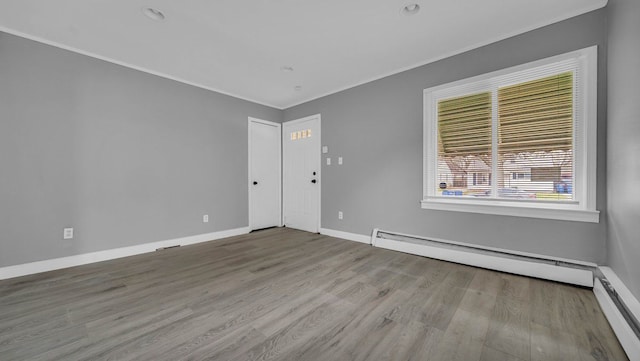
pixel 536 115
pixel 464 125
pixel 535 134
pixel 534 137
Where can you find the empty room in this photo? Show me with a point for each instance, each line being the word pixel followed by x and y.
pixel 320 180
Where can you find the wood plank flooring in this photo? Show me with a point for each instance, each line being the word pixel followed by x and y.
pixel 282 294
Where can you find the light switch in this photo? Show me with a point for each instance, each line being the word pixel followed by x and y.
pixel 325 149
pixel 339 160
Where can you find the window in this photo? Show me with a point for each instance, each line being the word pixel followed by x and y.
pixel 520 141
pixel 300 134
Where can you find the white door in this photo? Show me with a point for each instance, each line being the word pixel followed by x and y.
pixel 301 173
pixel 264 174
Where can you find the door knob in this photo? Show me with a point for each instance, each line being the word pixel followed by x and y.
pixel 255 183
pixel 313 181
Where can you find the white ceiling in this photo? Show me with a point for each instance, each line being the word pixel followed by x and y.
pixel 238 47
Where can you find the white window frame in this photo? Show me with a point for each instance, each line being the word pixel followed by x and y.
pixel 583 207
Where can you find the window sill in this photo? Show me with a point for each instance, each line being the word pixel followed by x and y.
pixel 545 211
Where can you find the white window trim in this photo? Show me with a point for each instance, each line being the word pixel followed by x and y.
pixel 585 155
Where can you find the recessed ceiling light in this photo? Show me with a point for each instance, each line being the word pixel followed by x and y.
pixel 153 14
pixel 298 88
pixel 410 9
pixel 286 69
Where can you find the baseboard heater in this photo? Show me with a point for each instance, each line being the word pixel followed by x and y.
pixel 525 264
pixel 623 320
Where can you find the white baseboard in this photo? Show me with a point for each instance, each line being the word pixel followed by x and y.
pixel 346 235
pixel 521 267
pixel 86 258
pixel 630 343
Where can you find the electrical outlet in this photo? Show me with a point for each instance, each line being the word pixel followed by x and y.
pixel 205 218
pixel 67 233
pixel 339 160
pixel 340 216
pixel 328 161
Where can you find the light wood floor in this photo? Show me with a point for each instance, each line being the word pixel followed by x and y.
pixel 282 294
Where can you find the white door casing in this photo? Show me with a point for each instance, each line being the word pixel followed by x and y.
pixel 301 173
pixel 265 201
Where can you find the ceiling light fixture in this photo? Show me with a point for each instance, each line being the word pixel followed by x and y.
pixel 153 14
pixel 298 88
pixel 410 9
pixel 286 69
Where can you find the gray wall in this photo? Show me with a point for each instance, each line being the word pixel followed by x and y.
pixel 623 151
pixel 377 128
pixel 127 158
pixel 122 156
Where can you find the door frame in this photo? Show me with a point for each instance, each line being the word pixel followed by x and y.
pixel 293 122
pixel 279 170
